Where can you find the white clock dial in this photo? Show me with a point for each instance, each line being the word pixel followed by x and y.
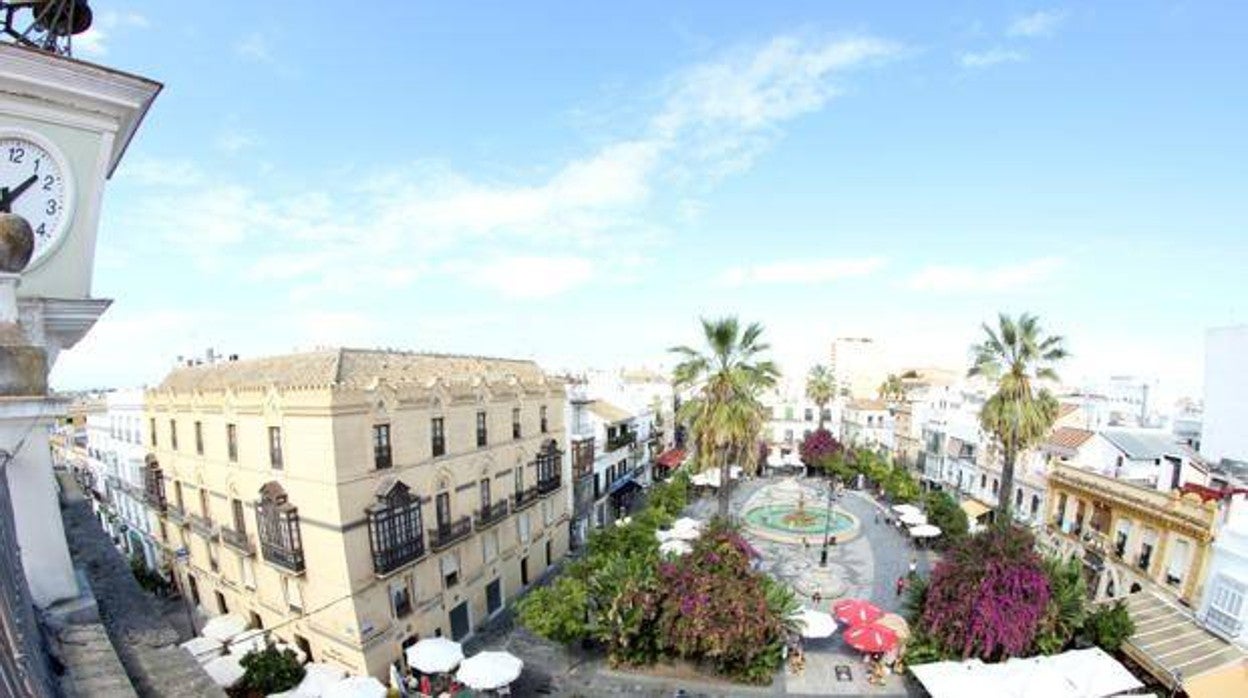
pixel 34 184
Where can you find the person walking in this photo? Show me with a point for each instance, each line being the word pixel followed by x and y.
pixel 914 565
pixel 901 585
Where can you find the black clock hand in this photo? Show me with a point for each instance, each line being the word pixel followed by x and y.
pixel 4 200
pixel 19 189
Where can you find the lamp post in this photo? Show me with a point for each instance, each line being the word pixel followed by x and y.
pixel 827 526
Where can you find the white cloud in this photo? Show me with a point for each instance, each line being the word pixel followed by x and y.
pixel 254 47
pixel 526 277
pixel 1039 23
pixel 963 279
pixel 803 271
pixel 160 172
pixel 991 57
pixel 234 140
pixel 93 42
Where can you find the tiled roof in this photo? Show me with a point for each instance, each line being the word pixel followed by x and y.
pixel 1068 438
pixel 608 412
pixel 1143 445
pixel 348 369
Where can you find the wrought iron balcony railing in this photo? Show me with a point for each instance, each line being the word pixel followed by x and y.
pixel 446 535
pixel 238 540
pixel 202 525
pixel 392 558
pixel 492 514
pixel 289 559
pixel 525 498
pixel 621 440
pixel 545 487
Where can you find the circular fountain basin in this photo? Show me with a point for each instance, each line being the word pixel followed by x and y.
pixel 781 522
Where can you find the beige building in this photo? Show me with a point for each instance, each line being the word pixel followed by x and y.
pixel 857 364
pixel 352 501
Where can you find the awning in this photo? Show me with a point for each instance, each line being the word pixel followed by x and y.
pixel 1168 642
pixel 975 508
pixel 1072 674
pixel 671 458
pixel 619 489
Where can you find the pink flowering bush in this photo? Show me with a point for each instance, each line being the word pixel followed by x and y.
pixel 819 447
pixel 717 609
pixel 987 599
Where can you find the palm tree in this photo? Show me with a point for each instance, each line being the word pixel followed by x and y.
pixel 1016 355
pixel 725 413
pixel 892 389
pixel 820 388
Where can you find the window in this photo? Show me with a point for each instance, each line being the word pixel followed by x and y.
pixel 515 422
pixel 1176 570
pixel 549 511
pixel 240 522
pixel 173 434
pixel 522 527
pixel 394 529
pixel 519 478
pixel 203 505
pixel 545 427
pixel 482 436
pixel 444 509
pixel 294 596
pixel 549 551
pixel 489 545
pixel 439 437
pixel 199 438
pixel 381 446
pixel 275 447
pixel 231 442
pixel 151 425
pixel 996 485
pixel 177 495
pixel 450 570
pixel 983 482
pixel 278 521
pixel 400 599
pixel 485 494
pixel 1018 499
pixel 1226 604
pixel 1035 505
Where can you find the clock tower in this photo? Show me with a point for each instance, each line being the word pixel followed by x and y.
pixel 64 126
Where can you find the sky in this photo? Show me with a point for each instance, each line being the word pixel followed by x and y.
pixel 578 183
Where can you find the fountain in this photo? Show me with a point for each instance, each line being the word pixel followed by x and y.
pixel 779 512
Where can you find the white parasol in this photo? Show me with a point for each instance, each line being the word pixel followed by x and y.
pixel 815 624
pixel 435 655
pixel 317 677
pixel 675 547
pixel 913 519
pixel 222 628
pixel 488 671
pixel 924 531
pixel 247 641
pixel 904 509
pixel 356 687
pixel 203 649
pixel 225 671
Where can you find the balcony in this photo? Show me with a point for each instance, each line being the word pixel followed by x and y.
pixel 203 526
pixel 156 501
pixel 237 541
pixel 1223 624
pixel 446 535
pixel 392 558
pixel 289 559
pixel 627 438
pixel 525 498
pixel 492 514
pixel 176 514
pixel 550 486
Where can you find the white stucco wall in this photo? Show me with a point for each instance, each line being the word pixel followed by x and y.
pixel 1225 429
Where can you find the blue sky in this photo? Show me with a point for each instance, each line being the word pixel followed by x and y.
pixel 578 182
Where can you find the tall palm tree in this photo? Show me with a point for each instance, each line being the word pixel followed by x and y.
pixel 892 389
pixel 820 388
pixel 1017 355
pixel 725 379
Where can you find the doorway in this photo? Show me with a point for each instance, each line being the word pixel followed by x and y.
pixel 194 587
pixel 459 622
pixel 524 571
pixel 224 609
pixel 493 597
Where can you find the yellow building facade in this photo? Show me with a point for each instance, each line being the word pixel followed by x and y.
pixel 351 501
pixel 1132 537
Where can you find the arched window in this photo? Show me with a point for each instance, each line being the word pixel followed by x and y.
pixel 1035 504
pixel 278 524
pixel 394 528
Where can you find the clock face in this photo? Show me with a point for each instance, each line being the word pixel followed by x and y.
pixel 34 184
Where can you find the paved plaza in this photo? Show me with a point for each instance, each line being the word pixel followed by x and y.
pixel 865 567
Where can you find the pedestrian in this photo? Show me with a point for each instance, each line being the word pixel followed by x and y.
pixel 901 585
pixel 805 544
pixel 914 565
pixel 816 598
pixel 877 517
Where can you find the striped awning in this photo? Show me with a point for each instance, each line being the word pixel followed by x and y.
pixel 1172 646
pixel 975 508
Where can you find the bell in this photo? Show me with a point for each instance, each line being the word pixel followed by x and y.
pixel 62 17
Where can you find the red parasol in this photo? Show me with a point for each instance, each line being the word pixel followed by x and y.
pixel 855 612
pixel 872 638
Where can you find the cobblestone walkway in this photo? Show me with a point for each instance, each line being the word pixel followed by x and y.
pixel 145 643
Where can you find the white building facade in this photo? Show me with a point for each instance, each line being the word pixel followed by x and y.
pixel 1224 432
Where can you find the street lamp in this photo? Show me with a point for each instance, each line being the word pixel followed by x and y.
pixel 827 526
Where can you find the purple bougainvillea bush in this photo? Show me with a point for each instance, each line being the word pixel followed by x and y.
pixel 819 447
pixel 988 597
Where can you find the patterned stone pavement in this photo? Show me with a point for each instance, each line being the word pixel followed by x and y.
pixel 866 567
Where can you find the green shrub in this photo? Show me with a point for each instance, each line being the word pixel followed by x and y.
pixel 557 612
pixel 1109 626
pixel 945 513
pixel 1067 606
pixel 270 671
